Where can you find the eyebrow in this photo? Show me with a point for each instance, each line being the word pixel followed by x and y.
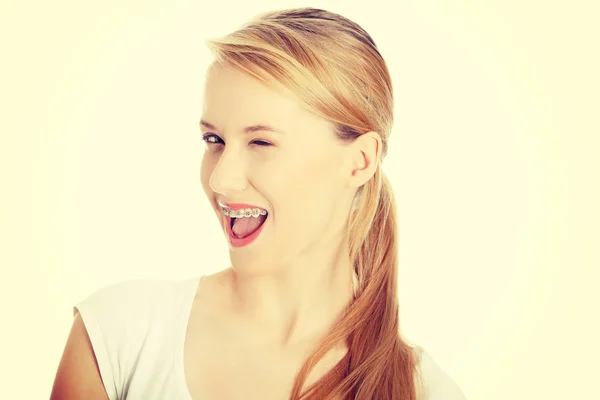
pixel 248 129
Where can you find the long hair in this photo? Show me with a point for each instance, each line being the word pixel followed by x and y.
pixel 337 72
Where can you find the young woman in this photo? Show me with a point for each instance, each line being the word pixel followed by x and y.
pixel 297 111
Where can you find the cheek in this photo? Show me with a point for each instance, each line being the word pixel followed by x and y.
pixel 305 187
pixel 206 168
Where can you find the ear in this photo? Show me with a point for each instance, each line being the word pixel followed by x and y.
pixel 365 154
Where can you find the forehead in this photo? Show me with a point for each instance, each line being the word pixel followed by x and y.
pixel 233 99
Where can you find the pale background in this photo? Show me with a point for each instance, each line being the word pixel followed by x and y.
pixel 493 159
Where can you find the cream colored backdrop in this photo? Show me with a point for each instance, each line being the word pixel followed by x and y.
pixel 494 159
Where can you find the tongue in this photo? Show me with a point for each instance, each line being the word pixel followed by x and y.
pixel 245 226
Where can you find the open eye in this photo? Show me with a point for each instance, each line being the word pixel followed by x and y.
pixel 209 136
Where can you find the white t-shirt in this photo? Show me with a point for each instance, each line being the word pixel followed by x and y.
pixel 137 329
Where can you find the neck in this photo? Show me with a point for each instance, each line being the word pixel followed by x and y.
pixel 297 304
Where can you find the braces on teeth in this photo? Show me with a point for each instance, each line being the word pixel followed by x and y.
pixel 244 212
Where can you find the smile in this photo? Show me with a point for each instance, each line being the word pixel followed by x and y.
pixel 249 230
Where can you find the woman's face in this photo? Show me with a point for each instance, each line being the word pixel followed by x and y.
pixel 298 177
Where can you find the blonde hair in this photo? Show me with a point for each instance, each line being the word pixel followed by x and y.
pixel 335 69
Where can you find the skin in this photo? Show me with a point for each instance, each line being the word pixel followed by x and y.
pixel 78 375
pixel 289 285
pixel 284 290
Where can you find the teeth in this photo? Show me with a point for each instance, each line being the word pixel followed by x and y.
pixel 244 212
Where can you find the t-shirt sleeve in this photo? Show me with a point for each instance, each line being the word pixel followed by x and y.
pixel 107 315
pixel 435 383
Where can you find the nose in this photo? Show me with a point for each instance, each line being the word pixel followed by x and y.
pixel 229 174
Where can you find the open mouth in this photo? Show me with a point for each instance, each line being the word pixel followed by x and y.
pixel 243 227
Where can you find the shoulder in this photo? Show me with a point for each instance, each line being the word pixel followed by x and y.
pixel 433 382
pixel 129 320
pixel 128 298
pixel 125 310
